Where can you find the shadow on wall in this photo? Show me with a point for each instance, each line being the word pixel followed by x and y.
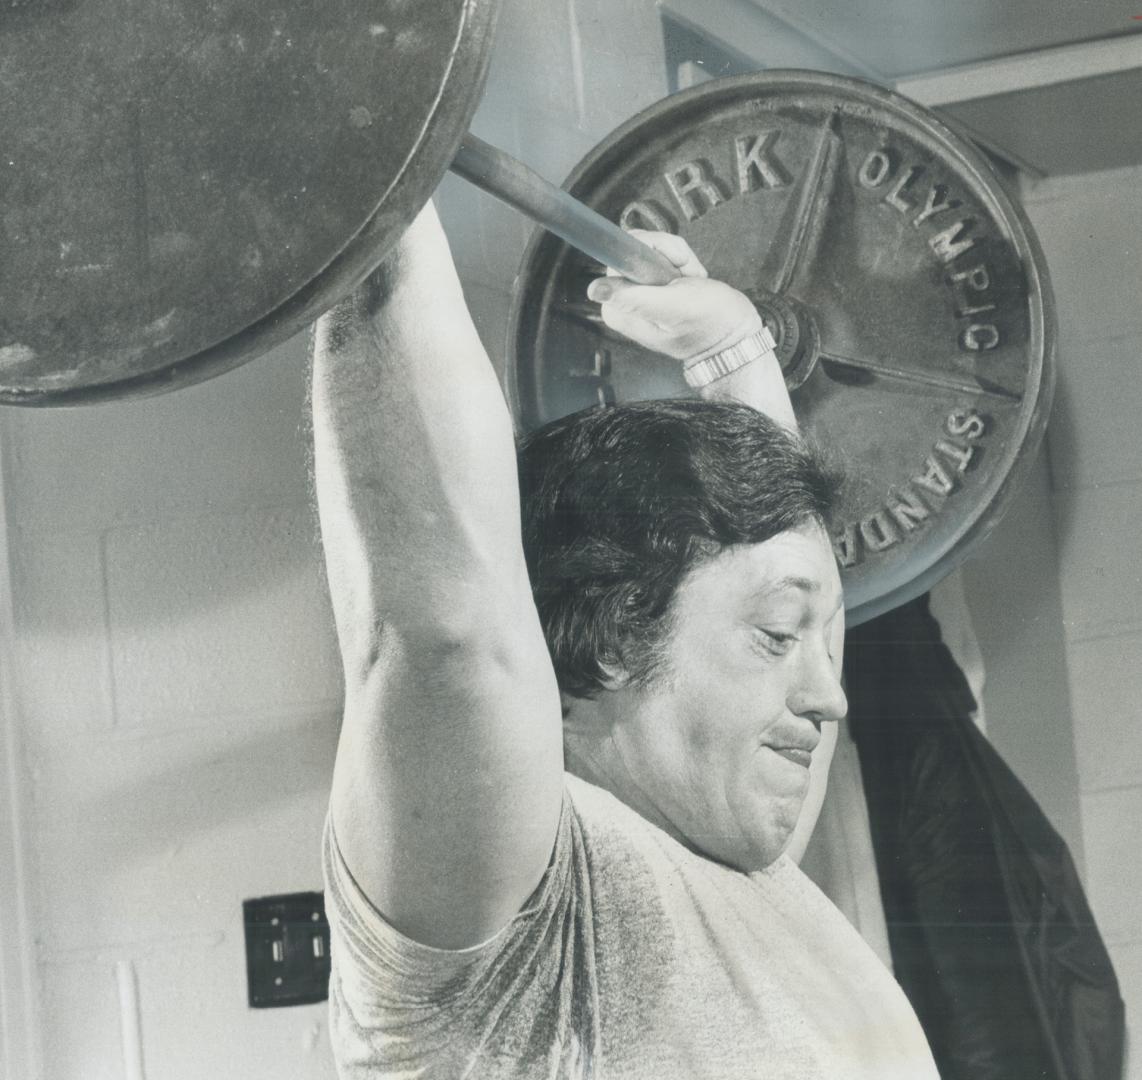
pixel 177 621
pixel 223 462
pixel 138 812
pixel 159 572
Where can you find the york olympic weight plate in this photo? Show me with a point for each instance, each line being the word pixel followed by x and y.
pixel 183 184
pixel 906 292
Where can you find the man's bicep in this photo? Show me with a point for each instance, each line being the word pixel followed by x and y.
pixel 448 782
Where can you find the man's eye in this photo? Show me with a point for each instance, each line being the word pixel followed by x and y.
pixel 774 642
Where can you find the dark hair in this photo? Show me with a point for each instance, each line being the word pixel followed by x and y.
pixel 620 503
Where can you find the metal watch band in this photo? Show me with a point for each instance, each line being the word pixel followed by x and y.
pixel 699 373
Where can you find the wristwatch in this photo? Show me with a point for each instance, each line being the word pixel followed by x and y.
pixel 708 369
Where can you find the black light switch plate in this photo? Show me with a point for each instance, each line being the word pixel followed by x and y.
pixel 287 950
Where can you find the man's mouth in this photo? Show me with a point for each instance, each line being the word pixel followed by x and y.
pixel 796 754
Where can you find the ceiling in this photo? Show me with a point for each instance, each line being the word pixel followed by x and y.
pixel 904 37
pixel 1052 86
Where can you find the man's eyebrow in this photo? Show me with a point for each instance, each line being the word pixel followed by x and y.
pixel 784 584
pixel 791 583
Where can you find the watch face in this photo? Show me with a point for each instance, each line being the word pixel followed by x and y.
pixel 907 297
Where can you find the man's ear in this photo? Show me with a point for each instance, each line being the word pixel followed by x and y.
pixel 615 674
pixel 590 715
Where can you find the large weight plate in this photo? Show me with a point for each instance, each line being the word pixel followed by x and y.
pixel 183 184
pixel 905 289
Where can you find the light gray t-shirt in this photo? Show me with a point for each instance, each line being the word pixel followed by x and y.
pixel 634 958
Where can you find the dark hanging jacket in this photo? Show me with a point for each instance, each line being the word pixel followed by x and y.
pixel 991 935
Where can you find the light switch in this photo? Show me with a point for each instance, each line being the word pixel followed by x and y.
pixel 287 950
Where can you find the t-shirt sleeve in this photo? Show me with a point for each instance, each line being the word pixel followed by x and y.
pixel 379 973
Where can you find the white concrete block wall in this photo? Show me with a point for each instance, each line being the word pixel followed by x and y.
pixel 178 695
pixel 223 574
pixel 1089 228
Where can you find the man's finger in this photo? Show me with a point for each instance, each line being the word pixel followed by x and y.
pixel 659 304
pixel 675 249
pixel 613 290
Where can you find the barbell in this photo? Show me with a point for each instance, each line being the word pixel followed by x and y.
pixel 181 191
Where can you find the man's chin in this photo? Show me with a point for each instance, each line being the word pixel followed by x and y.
pixel 773 839
pixel 766 850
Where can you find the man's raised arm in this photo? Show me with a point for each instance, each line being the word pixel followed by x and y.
pixel 448 782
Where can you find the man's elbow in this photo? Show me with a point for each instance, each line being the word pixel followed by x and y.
pixel 469 636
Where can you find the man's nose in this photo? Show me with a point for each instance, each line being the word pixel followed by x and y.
pixel 818 694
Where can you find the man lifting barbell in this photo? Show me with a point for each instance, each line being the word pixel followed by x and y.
pixel 494 915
